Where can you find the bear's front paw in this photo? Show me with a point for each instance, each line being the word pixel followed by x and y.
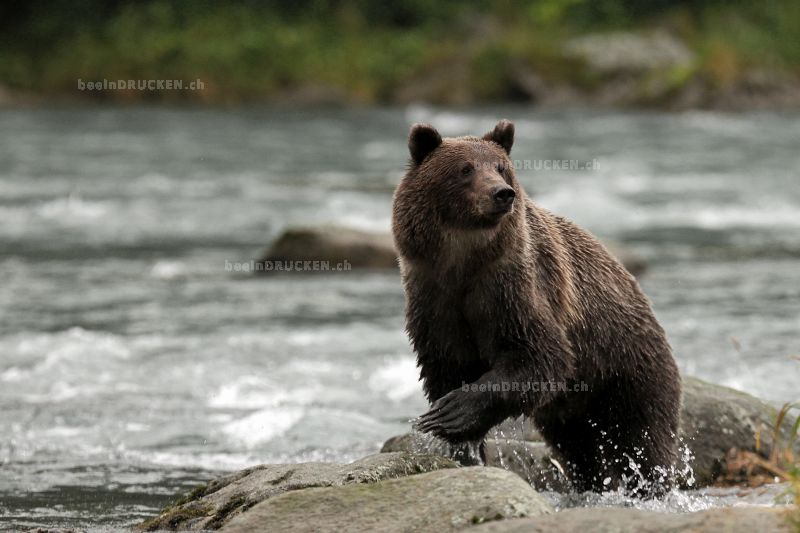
pixel 455 417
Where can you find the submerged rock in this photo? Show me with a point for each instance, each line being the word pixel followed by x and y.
pixel 212 505
pixel 633 263
pixel 627 520
pixel 437 501
pixel 714 419
pixel 370 250
pixel 336 245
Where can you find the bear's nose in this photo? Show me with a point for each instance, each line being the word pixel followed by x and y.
pixel 503 196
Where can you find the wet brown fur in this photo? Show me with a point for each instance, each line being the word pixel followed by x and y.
pixel 528 297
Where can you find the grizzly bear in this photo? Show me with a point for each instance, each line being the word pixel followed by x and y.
pixel 513 310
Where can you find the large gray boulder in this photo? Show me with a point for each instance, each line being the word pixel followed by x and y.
pixel 530 459
pixel 212 505
pixel 627 520
pixel 445 500
pixel 714 419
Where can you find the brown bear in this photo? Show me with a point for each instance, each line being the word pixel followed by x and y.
pixel 513 310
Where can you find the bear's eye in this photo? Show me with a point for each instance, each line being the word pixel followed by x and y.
pixel 501 169
pixel 466 170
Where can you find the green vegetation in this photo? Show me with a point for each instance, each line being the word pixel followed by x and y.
pixel 185 508
pixel 171 518
pixel 234 504
pixel 784 461
pixel 784 452
pixel 367 52
pixel 785 457
pixel 196 493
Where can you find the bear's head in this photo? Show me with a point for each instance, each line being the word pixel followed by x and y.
pixel 455 185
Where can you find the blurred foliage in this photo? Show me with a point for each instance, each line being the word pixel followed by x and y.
pixel 249 49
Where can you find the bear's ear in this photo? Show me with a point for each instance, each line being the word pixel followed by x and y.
pixel 502 134
pixel 422 140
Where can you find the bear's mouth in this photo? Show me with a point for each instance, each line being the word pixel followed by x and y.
pixel 501 211
pixel 494 217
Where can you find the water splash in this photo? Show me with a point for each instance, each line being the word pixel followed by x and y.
pixel 512 456
pixel 515 450
pixel 684 471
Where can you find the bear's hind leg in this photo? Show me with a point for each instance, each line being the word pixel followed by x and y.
pixel 604 445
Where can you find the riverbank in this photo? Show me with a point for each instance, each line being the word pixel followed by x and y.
pixel 551 54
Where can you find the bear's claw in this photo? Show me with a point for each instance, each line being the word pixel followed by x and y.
pixel 452 417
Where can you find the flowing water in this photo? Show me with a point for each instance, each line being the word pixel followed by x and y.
pixel 134 366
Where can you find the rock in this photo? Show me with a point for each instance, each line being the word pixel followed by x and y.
pixel 532 461
pixel 635 264
pixel 634 68
pixel 528 459
pixel 55 530
pixel 714 419
pixel 520 428
pixel 444 500
pixel 629 52
pixel 337 245
pixel 212 505
pixel 529 83
pixel 399 443
pixel 693 95
pixel 624 520
pixel 370 250
pixel 759 89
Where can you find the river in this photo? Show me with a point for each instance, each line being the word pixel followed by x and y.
pixel 133 366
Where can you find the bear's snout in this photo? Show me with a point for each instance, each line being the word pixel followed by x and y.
pixel 503 197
